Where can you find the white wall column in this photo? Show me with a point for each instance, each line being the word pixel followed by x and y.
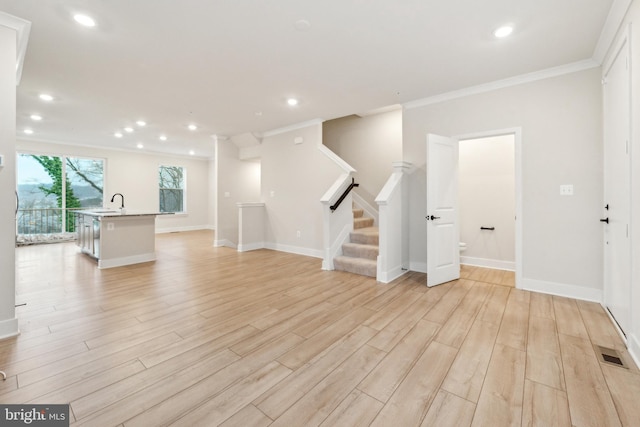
pixel 8 46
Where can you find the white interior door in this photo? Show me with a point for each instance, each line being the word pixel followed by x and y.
pixel 617 191
pixel 443 232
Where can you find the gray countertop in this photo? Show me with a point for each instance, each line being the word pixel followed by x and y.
pixel 102 213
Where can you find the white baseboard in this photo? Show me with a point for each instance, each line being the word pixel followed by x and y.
pixel 315 253
pixel 179 229
pixel 9 328
pixel 562 289
pixel 488 263
pixel 389 276
pixel 251 246
pixel 224 243
pixel 119 262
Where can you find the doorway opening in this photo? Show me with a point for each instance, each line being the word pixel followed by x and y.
pixel 489 196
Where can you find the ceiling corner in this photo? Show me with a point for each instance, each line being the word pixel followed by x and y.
pixel 22 28
pixel 610 29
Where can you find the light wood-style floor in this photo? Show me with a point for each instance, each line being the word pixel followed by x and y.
pixel 209 336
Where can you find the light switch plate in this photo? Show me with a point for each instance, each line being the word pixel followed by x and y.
pixel 566 190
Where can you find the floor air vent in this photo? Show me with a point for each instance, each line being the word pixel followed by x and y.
pixel 610 356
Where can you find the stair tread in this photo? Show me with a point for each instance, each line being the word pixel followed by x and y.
pixel 362 245
pixel 367 230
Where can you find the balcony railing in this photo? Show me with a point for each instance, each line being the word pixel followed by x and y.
pixel 45 225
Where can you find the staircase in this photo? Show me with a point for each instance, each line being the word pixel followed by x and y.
pixel 361 253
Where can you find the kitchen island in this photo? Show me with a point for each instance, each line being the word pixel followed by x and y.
pixel 116 238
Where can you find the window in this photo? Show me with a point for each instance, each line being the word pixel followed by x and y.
pixel 50 188
pixel 172 186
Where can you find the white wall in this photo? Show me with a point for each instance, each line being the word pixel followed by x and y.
pixel 238 181
pixel 561 121
pixel 370 144
pixel 294 178
pixel 487 199
pixel 8 321
pixel 135 175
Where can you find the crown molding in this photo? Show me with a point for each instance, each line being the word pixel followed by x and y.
pixel 501 84
pixel 22 28
pixel 292 127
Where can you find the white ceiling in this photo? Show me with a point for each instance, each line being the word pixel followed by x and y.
pixel 230 65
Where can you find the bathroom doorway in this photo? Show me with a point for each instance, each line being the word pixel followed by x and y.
pixel 489 200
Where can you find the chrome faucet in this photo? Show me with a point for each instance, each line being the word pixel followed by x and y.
pixel 118 194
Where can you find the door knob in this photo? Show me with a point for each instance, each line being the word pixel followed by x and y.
pixel 431 217
pixel 605 220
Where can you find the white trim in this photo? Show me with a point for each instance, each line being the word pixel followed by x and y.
pixel 165 230
pixel 315 253
pixel 389 276
pixel 23 29
pixel 501 84
pixel 615 50
pixel 128 260
pixel 562 289
pixel 219 243
pixel 336 249
pixel 251 247
pixel 291 127
pixel 346 167
pixel 612 24
pixel 517 140
pixel 9 328
pixel 488 263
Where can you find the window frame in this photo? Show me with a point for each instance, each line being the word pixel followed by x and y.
pixel 183 189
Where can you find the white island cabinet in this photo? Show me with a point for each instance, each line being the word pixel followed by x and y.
pixel 115 239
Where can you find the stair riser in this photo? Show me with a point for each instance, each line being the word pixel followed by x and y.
pixel 364 239
pixel 362 222
pixel 356 269
pixel 367 253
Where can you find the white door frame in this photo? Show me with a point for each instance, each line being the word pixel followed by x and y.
pixel 517 136
pixel 621 47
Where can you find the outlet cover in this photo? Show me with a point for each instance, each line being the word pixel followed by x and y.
pixel 566 190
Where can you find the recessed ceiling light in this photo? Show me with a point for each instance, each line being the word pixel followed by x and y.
pixel 503 31
pixel 36 117
pixel 46 97
pixel 191 152
pixel 140 145
pixel 28 131
pixel 85 20
pixel 192 127
pixel 118 134
pixel 292 101
pixel 163 137
pixel 128 129
pixel 141 123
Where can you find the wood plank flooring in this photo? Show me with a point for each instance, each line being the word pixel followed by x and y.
pixel 209 336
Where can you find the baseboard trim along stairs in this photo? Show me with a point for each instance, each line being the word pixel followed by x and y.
pixel 360 255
